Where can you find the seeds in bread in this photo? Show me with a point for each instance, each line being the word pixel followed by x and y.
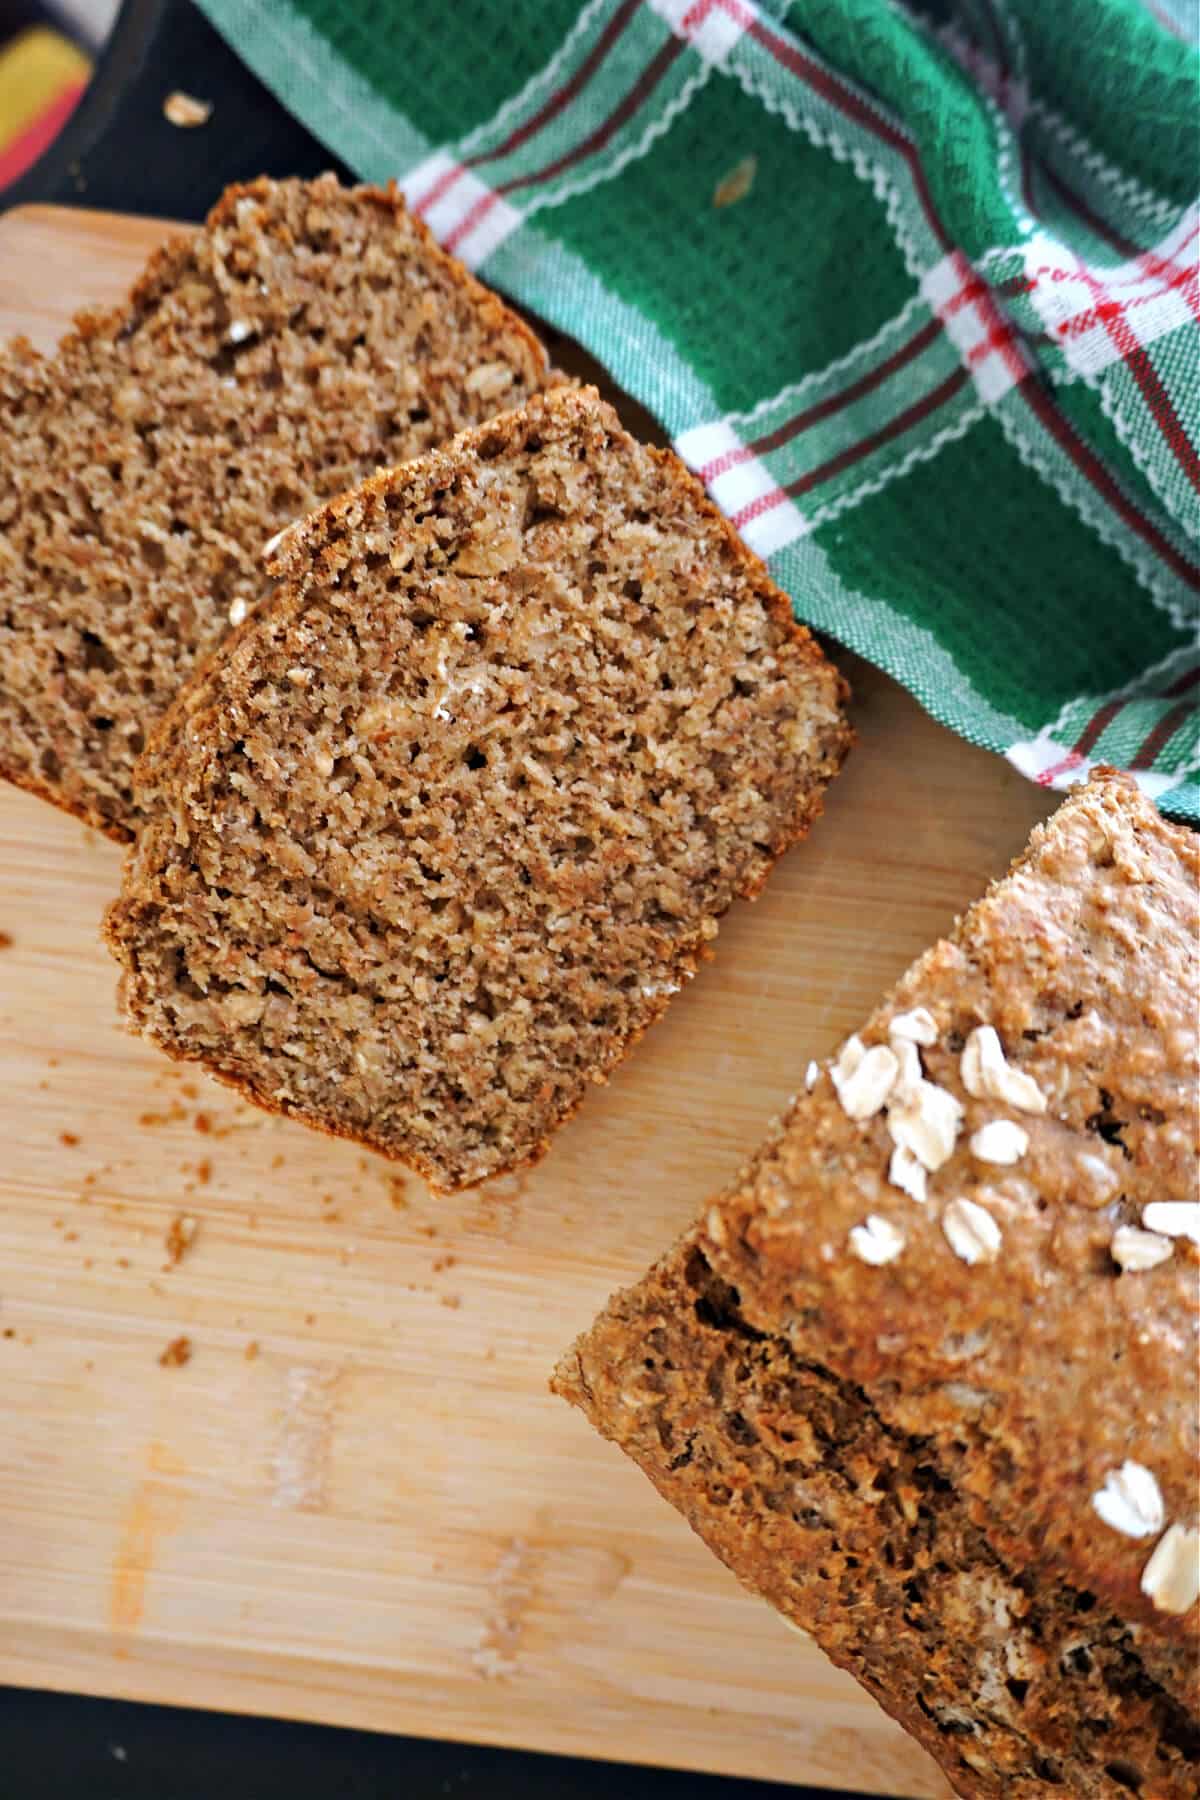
pixel 952 1459
pixel 306 336
pixel 434 837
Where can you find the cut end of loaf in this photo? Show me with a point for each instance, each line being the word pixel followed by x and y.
pixel 916 1420
pixel 306 336
pixel 437 834
pixel 865 1537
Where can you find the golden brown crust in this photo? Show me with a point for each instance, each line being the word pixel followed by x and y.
pixel 904 1454
pixel 545 539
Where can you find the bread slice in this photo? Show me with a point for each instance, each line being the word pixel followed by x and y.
pixel 436 834
pixel 306 336
pixel 941 1408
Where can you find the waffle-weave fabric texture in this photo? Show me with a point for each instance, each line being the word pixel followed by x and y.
pixel 913 288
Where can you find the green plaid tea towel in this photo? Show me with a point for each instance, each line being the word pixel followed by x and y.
pixel 911 286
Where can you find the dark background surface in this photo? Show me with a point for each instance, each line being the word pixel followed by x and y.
pixel 119 153
pixel 61 1747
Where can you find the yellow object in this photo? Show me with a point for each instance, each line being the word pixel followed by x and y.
pixel 36 68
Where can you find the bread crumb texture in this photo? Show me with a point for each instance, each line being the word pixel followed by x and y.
pixel 553 719
pixel 953 1432
pixel 181 1233
pixel 176 1354
pixel 306 336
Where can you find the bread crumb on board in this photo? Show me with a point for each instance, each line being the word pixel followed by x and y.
pixel 177 1352
pixel 171 1117
pixel 181 1234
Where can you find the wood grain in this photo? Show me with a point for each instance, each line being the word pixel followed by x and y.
pixel 357 1501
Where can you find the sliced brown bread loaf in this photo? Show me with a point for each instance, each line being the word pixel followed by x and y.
pixel 925 1376
pixel 434 836
pixel 306 336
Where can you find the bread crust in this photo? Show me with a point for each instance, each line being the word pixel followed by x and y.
pixel 904 1454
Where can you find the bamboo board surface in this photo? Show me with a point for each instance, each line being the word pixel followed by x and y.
pixel 357 1502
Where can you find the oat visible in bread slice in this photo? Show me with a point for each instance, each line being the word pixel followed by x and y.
pixel 437 833
pixel 942 1410
pixel 306 336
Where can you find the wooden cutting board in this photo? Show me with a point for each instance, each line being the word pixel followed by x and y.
pixel 357 1501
